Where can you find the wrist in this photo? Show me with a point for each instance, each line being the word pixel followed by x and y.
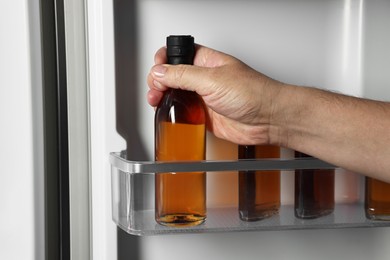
pixel 285 104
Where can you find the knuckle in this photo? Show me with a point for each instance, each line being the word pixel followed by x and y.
pixel 180 71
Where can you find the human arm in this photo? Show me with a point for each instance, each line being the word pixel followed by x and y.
pixel 247 107
pixel 350 132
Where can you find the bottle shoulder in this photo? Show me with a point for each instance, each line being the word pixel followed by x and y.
pixel 182 107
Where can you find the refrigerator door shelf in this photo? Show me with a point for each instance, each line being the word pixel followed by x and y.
pixel 133 199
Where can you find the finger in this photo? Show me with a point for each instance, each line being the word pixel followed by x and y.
pixel 155 85
pixel 153 97
pixel 186 77
pixel 207 57
pixel 161 56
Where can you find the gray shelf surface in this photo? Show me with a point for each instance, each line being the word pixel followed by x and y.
pixel 227 220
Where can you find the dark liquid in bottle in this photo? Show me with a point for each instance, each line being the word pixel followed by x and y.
pixel 259 191
pixel 314 192
pixel 377 199
pixel 180 198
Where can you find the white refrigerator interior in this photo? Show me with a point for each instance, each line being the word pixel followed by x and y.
pixel 340 45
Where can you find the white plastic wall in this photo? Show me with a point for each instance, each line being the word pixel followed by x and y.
pixel 21 137
pixel 311 43
pixel 339 45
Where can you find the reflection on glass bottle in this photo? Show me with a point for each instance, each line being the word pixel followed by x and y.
pixel 314 191
pixel 377 199
pixel 259 191
pixel 180 135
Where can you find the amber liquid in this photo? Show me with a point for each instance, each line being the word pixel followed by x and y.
pixel 180 197
pixel 314 192
pixel 377 199
pixel 259 191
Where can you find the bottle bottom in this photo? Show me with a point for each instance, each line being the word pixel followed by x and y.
pixel 374 215
pixel 181 220
pixel 257 215
pixel 310 214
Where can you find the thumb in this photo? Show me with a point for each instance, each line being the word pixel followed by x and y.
pixel 181 76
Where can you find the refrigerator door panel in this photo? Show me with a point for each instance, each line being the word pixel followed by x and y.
pixel 22 218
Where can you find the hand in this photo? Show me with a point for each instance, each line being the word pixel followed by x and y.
pixel 239 99
pixel 246 107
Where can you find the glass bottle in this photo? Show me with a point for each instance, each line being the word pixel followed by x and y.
pixel 180 135
pixel 314 191
pixel 377 199
pixel 259 191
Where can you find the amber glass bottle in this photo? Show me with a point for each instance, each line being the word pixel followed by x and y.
pixel 377 199
pixel 314 192
pixel 180 135
pixel 259 191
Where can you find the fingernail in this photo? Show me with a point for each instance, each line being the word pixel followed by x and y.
pixel 159 70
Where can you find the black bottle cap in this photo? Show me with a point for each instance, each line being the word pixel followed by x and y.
pixel 180 49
